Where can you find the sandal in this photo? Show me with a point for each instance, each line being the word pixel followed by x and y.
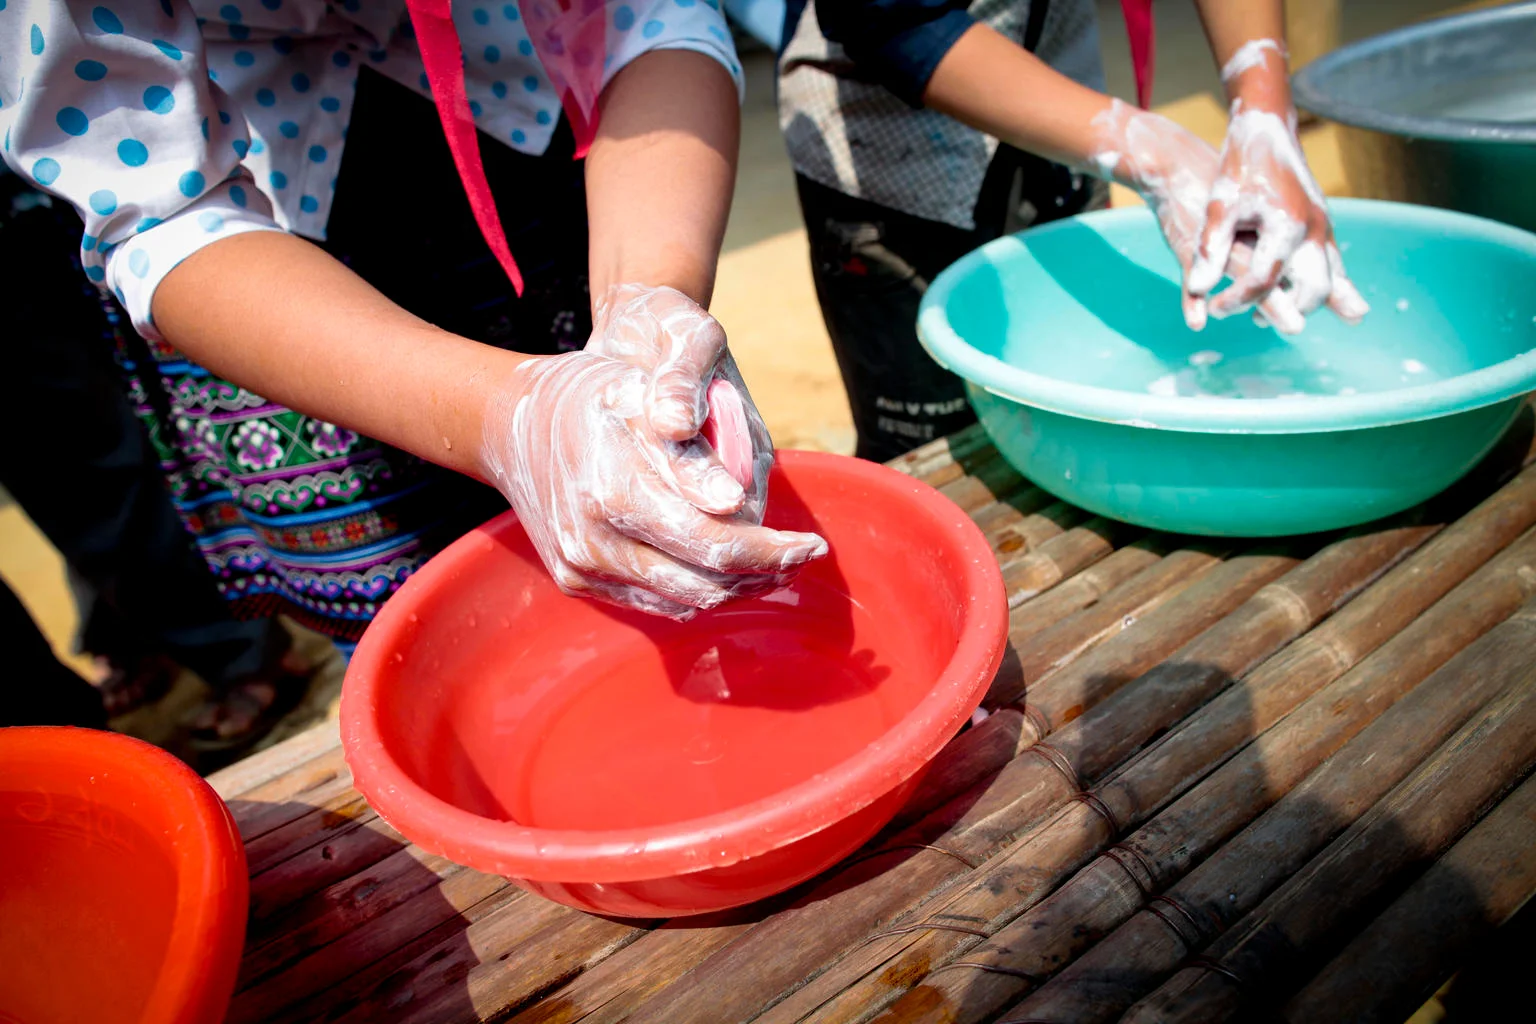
pixel 255 705
pixel 144 680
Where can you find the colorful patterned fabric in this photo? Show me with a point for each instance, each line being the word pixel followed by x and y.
pixel 297 515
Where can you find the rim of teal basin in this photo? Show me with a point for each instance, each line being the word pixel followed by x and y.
pixel 1462 393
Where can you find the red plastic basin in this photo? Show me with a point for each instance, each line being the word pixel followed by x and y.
pixel 123 886
pixel 639 767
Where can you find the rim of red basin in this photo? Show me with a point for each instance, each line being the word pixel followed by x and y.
pixel 718 840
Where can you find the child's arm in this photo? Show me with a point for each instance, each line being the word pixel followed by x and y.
pixel 1264 186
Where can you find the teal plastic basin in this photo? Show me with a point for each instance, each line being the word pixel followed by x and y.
pixel 1084 375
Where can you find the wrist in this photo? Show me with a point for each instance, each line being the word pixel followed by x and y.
pixel 1258 77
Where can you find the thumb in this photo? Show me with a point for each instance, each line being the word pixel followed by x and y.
pixel 677 400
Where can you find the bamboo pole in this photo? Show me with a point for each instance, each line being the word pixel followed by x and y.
pixel 1395 840
pixel 1098 581
pixel 933 460
pixel 1474 889
pixel 1089 745
pixel 327 979
pixel 1105 981
pixel 1062 556
pixel 985 483
pixel 994 519
pixel 1139 788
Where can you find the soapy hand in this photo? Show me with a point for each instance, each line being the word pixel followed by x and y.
pixel 618 508
pixel 1265 191
pixel 683 349
pixel 1172 169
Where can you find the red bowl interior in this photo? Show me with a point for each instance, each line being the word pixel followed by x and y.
pixel 123 887
pixel 559 741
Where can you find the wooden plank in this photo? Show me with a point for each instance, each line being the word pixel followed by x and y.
pixel 1471 891
pixel 277 759
pixel 1393 842
pixel 1103 982
pixel 278 887
pixel 1063 556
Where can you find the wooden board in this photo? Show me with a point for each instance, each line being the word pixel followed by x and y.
pixel 1213 773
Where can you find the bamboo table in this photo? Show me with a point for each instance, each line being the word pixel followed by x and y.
pixel 1217 776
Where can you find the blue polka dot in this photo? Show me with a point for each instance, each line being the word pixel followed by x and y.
pixel 239 33
pixel 624 18
pixel 518 136
pixel 278 180
pixel 104 201
pixel 241 147
pixel 271 5
pixel 474 108
pixel 499 90
pixel 133 152
pixel 352 5
pixel 330 104
pixel 340 59
pixel 213 75
pixel 147 223
pixel 425 85
pixel 165 5
pixel 266 97
pixel 378 56
pixel 209 221
pixel 309 204
pixel 543 117
pixel 96 274
pixel 652 29
pixel 192 184
pixel 245 58
pixel 257 146
pixel 317 154
pixel 171 50
pixel 224 117
pixel 300 82
pixel 107 21
pixel 237 196
pixel 138 262
pixel 91 70
pixel 492 54
pixel 159 100
pixel 685 3
pixel 283 45
pixel 72 121
pixel 87 242
pixel 481 18
pixel 46 171
pixel 531 83
pixel 37 40
pixel 231 14
pixel 525 48
pixel 510 12
pixel 289 130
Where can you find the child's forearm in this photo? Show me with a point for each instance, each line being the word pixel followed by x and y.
pixel 1247 38
pixel 280 317
pixel 660 174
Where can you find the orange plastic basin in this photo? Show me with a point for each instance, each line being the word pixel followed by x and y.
pixel 635 766
pixel 122 883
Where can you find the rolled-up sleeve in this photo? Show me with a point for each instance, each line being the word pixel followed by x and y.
pixel 898 43
pixel 110 107
pixel 639 26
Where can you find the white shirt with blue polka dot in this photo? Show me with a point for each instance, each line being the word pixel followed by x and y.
pixel 170 125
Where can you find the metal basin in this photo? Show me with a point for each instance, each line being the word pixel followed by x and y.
pixel 1441 114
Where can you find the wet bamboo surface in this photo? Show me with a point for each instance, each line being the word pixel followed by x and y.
pixel 1218 777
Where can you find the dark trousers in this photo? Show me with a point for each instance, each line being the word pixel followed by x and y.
pixel 79 464
pixel 872 265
